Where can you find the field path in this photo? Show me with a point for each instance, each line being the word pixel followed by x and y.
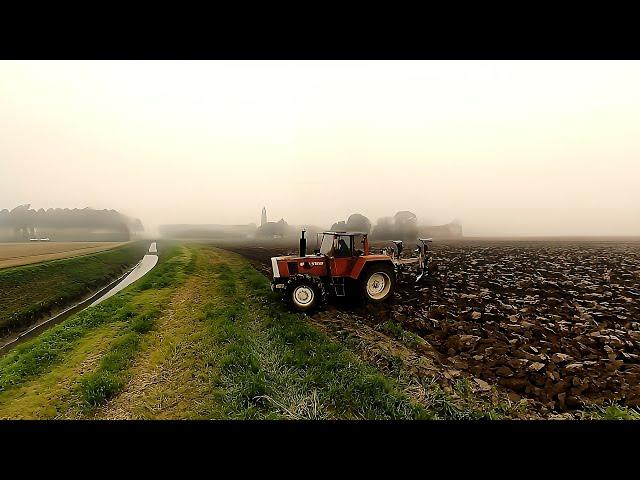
pixel 170 377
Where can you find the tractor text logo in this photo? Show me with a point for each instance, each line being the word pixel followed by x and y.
pixel 313 264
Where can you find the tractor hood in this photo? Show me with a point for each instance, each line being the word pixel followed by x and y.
pixel 288 265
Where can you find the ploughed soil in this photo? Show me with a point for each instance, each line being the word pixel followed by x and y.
pixel 554 322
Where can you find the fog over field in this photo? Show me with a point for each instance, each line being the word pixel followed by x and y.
pixel 508 148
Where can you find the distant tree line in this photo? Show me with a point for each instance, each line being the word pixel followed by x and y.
pixel 403 225
pixel 23 223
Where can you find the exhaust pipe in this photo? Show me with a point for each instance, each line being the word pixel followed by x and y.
pixel 303 245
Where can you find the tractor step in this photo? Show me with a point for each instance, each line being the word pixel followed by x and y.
pixel 338 284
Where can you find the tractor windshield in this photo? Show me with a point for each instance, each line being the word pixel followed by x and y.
pixel 336 245
pixel 358 245
pixel 326 248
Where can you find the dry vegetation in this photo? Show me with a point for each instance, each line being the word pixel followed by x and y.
pixel 25 253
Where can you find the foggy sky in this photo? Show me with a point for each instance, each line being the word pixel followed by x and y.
pixel 508 148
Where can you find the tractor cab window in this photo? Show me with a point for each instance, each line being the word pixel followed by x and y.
pixel 336 245
pixel 358 245
pixel 326 248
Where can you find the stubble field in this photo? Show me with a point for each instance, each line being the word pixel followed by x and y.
pixel 25 253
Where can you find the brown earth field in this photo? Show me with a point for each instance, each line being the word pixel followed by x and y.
pixel 25 253
pixel 552 322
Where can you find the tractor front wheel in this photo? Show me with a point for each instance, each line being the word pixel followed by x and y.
pixel 303 295
pixel 377 283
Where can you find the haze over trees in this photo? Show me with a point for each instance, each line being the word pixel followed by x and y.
pixel 355 223
pixel 275 229
pixel 402 226
pixel 207 231
pixel 64 224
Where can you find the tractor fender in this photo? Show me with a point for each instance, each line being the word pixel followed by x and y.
pixel 363 262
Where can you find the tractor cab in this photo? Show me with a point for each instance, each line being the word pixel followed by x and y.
pixel 342 244
pixel 342 251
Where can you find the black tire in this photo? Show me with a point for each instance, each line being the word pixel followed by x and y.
pixel 303 294
pixel 370 288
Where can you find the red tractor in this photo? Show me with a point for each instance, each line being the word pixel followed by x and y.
pixel 341 264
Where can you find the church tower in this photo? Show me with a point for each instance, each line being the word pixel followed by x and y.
pixel 263 219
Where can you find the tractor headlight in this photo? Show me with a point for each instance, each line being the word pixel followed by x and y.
pixel 274 267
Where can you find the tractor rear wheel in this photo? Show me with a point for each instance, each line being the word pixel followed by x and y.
pixel 303 294
pixel 377 283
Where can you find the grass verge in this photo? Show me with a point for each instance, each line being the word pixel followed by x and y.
pixel 29 292
pixel 133 310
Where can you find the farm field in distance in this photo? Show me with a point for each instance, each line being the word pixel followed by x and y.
pixel 25 253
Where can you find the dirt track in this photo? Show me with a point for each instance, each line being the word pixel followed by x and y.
pixel 557 323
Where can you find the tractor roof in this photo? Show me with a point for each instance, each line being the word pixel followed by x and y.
pixel 345 233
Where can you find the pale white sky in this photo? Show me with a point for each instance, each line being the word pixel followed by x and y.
pixel 509 148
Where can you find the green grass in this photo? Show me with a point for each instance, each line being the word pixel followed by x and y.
pixel 274 364
pixel 405 336
pixel 102 384
pixel 32 291
pixel 610 411
pixel 36 356
pixel 49 395
pixel 110 377
pixel 135 309
pixel 459 402
pixel 248 357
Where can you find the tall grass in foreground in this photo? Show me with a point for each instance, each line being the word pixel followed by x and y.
pixel 110 377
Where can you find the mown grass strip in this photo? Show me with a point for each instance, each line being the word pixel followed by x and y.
pixel 111 376
pixel 174 371
pixel 32 291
